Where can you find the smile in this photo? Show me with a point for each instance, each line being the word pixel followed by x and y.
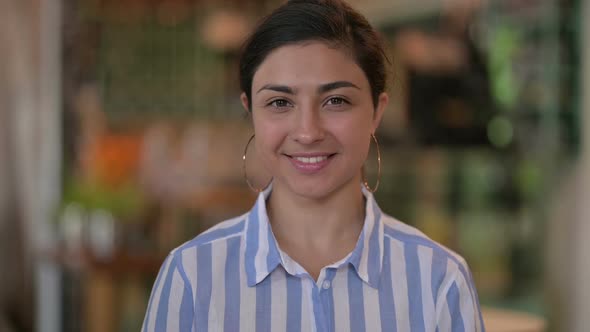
pixel 311 160
pixel 311 163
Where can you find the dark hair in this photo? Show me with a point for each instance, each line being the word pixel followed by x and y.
pixel 330 21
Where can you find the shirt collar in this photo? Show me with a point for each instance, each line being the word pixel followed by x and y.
pixel 262 254
pixel 367 256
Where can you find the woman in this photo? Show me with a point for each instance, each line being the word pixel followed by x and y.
pixel 315 253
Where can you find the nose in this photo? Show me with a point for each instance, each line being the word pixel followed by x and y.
pixel 308 128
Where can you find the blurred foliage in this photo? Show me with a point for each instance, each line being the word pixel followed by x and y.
pixel 124 201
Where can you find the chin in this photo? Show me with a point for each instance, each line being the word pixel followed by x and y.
pixel 315 195
pixel 313 190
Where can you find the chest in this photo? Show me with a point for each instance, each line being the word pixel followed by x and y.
pixel 339 301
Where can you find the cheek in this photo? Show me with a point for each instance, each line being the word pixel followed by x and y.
pixel 269 137
pixel 354 133
pixel 361 148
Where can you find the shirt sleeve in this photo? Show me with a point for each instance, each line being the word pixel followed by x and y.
pixel 170 307
pixel 459 309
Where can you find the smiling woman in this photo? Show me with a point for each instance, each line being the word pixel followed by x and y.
pixel 315 253
pixel 313 118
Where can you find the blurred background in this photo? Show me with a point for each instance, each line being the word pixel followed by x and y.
pixel 121 136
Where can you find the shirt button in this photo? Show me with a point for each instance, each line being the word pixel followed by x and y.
pixel 326 284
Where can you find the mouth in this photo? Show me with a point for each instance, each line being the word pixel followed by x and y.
pixel 310 162
pixel 310 158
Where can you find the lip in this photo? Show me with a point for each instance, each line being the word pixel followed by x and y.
pixel 309 154
pixel 310 168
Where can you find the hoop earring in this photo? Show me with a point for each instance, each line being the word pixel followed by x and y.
pixel 256 190
pixel 365 182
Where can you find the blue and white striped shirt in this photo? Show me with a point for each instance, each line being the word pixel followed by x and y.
pixel 234 277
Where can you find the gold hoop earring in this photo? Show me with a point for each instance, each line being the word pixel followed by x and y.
pixel 365 182
pixel 257 190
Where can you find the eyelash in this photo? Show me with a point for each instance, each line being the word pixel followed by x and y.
pixel 332 101
pixel 274 103
pixel 340 100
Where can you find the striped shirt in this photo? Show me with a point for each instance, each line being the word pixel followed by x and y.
pixel 234 277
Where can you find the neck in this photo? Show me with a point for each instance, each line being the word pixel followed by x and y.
pixel 319 225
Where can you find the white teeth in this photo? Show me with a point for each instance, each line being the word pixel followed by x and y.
pixel 311 160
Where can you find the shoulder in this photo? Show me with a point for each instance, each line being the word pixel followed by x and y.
pixel 198 252
pixel 416 248
pixel 220 232
pixel 446 272
pixel 197 261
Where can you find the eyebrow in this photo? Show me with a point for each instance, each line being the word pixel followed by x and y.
pixel 336 85
pixel 322 88
pixel 278 88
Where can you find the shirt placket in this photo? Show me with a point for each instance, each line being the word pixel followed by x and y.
pixel 323 300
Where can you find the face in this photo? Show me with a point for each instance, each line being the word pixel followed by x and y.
pixel 313 118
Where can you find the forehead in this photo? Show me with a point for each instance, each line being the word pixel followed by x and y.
pixel 309 63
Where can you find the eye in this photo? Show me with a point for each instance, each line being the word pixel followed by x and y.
pixel 280 103
pixel 336 101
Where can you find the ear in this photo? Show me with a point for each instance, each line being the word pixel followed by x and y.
pixel 380 109
pixel 244 100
